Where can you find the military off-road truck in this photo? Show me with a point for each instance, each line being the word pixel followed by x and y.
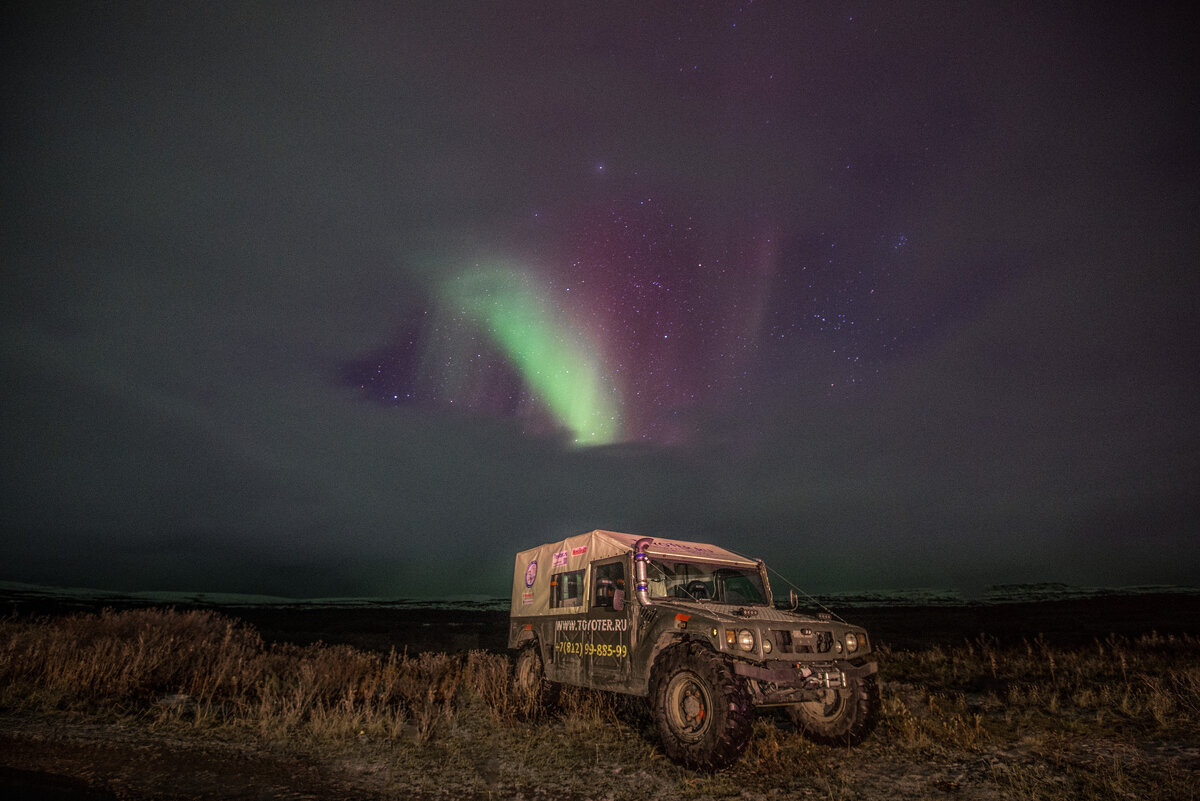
pixel 692 627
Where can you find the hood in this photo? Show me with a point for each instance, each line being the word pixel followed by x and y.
pixel 732 613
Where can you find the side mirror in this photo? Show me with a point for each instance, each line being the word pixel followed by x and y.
pixel 618 600
pixel 793 599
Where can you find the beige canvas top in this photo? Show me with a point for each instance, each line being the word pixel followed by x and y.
pixel 534 568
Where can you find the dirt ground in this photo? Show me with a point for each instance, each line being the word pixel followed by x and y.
pixel 119 762
pixel 108 761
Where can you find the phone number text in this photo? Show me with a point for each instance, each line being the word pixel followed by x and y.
pixel 591 649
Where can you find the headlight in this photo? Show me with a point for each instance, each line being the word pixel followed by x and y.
pixel 746 640
pixel 851 642
pixel 766 645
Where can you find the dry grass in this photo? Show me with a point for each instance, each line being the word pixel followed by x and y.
pixel 963 696
pixel 1117 719
pixel 207 670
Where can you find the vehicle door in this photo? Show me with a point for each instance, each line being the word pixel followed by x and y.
pixel 606 642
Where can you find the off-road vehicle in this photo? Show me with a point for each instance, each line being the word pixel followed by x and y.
pixel 699 636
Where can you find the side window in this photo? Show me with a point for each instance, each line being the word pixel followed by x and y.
pixel 607 581
pixel 566 589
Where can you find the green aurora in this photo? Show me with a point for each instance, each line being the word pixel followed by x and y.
pixel 561 367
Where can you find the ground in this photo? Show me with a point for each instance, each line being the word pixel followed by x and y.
pixel 117 762
pixel 933 743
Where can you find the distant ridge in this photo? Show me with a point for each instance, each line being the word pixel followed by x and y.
pixel 997 594
pixel 85 596
pixel 906 598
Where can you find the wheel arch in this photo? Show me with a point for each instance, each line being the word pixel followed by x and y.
pixel 673 639
pixel 529 639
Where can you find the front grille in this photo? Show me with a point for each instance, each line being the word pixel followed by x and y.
pixel 802 641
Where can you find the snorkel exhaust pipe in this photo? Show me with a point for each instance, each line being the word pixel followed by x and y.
pixel 641 584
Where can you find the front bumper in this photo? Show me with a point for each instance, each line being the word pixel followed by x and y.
pixel 803 676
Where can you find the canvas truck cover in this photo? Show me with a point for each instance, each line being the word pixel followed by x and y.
pixel 535 568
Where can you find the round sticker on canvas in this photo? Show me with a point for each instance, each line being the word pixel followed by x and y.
pixel 531 573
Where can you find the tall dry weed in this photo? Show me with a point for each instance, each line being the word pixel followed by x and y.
pixel 488 677
pixel 123 656
pixel 206 668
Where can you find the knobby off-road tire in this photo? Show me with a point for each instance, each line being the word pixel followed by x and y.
pixel 701 709
pixel 534 693
pixel 842 717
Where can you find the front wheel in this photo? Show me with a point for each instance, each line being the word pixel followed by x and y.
pixel 844 716
pixel 702 711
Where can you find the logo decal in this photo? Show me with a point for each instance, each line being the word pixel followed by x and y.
pixel 560 558
pixel 581 549
pixel 531 573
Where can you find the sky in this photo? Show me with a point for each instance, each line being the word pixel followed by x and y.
pixel 360 299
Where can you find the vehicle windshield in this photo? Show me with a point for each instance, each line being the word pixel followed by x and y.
pixel 705 582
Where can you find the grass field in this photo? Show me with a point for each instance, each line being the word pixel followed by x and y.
pixel 1117 718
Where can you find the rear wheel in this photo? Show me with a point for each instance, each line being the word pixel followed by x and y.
pixel 535 694
pixel 702 711
pixel 842 716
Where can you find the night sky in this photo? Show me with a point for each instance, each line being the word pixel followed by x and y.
pixel 318 299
